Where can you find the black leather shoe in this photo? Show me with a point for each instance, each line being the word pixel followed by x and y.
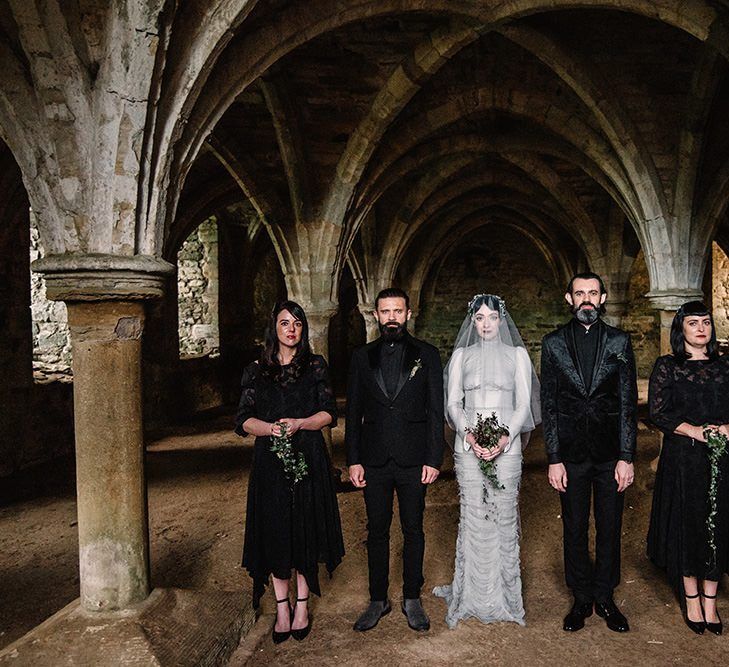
pixel 716 628
pixel 414 612
pixel 613 618
pixel 301 633
pixel 371 616
pixel 575 620
pixel 279 637
pixel 695 626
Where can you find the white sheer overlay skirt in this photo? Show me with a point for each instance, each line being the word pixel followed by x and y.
pixel 487 580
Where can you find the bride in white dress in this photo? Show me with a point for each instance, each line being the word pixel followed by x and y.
pixel 489 372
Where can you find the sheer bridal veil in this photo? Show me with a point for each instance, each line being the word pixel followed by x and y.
pixel 490 370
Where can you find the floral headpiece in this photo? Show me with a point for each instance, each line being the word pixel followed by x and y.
pixel 498 299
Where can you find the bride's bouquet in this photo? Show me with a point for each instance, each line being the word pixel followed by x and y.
pixel 487 433
pixel 716 445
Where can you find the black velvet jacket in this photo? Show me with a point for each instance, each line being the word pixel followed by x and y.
pixel 589 418
pixel 407 426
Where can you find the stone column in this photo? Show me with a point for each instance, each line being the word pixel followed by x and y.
pixel 412 323
pixel 104 295
pixel 616 311
pixel 371 326
pixel 667 302
pixel 318 318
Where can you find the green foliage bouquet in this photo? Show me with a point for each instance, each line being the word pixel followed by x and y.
pixel 294 464
pixel 716 445
pixel 487 433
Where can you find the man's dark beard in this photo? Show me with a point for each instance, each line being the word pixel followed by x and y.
pixel 586 315
pixel 393 332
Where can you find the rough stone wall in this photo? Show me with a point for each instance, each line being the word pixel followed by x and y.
pixel 720 292
pixel 500 261
pixel 197 262
pixel 51 341
pixel 641 320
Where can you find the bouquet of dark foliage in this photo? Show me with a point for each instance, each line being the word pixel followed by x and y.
pixel 716 446
pixel 487 433
pixel 293 462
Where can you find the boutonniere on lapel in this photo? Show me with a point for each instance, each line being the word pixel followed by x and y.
pixel 416 367
pixel 620 356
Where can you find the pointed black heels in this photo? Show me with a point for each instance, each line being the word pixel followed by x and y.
pixel 695 626
pixel 716 628
pixel 301 633
pixel 278 637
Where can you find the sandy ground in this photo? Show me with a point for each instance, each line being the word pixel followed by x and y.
pixel 197 482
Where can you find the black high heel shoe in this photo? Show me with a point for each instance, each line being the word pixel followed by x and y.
pixel 279 637
pixel 301 633
pixel 696 626
pixel 716 628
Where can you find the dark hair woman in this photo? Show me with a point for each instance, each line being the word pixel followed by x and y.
pixel 290 526
pixel 688 392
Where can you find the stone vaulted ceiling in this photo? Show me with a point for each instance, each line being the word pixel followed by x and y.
pixel 587 130
pixel 375 135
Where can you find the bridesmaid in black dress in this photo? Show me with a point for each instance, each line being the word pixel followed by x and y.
pixel 689 390
pixel 289 529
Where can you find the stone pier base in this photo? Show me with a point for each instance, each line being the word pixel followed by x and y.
pixel 172 627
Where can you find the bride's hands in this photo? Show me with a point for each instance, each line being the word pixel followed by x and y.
pixel 490 454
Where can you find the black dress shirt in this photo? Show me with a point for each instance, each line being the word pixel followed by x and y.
pixel 586 348
pixel 391 363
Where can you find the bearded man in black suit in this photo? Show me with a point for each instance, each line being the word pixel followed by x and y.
pixel 589 400
pixel 394 437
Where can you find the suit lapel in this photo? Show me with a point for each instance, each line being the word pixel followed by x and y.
pixel 409 357
pixel 374 356
pixel 569 354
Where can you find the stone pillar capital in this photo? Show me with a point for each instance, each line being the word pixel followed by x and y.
pixel 371 327
pixel 101 277
pixel 319 311
pixel 673 299
pixel 319 315
pixel 365 309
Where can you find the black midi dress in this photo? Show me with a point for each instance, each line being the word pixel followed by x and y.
pixel 695 392
pixel 289 528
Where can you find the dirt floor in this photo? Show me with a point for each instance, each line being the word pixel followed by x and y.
pixel 197 483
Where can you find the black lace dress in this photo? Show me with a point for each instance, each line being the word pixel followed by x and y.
pixel 288 529
pixel 695 392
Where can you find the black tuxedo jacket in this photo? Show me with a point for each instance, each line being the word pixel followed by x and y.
pixel 407 426
pixel 589 418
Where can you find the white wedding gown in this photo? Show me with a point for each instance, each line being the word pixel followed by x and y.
pixel 487 580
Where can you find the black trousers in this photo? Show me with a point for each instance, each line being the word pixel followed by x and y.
pixel 586 480
pixel 382 482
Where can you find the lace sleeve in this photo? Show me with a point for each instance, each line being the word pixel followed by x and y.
pixel 660 396
pixel 521 419
pixel 454 396
pixel 324 394
pixel 247 403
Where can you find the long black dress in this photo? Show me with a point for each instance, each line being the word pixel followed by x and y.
pixel 288 529
pixel 695 392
